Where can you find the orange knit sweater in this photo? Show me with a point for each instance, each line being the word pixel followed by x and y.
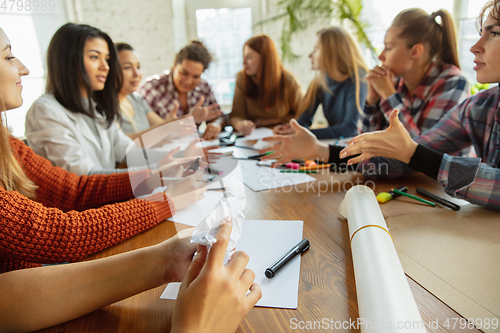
pixel 68 220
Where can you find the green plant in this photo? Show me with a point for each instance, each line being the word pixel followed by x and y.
pixel 299 14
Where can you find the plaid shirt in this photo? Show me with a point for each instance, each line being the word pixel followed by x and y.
pixel 441 89
pixel 160 93
pixel 475 122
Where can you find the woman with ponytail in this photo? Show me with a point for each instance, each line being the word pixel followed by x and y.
pixel 420 74
pixel 339 86
pixel 266 94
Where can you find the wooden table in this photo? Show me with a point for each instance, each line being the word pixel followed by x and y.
pixel 327 287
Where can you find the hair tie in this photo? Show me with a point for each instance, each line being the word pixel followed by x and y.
pixel 436 17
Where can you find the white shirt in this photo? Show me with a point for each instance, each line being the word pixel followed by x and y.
pixel 65 138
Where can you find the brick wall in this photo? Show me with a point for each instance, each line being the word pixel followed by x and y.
pixel 147 25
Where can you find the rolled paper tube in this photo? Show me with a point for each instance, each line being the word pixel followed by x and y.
pixel 384 296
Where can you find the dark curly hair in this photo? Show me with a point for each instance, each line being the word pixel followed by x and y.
pixel 195 51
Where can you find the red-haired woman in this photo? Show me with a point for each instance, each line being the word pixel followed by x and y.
pixel 266 94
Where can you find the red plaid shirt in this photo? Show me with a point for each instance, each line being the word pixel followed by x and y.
pixel 160 93
pixel 475 122
pixel 443 87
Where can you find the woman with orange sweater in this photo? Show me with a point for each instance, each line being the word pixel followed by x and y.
pixel 52 229
pixel 49 215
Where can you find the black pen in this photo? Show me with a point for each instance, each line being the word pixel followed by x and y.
pixel 251 157
pixel 439 200
pixel 297 249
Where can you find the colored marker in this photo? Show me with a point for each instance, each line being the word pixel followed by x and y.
pixel 254 157
pixel 300 248
pixel 310 163
pixel 214 172
pixel 293 165
pixel 432 204
pixel 315 167
pixel 383 197
pixel 181 178
pixel 439 200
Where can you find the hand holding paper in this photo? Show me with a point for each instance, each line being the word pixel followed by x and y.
pixel 213 297
pixel 206 230
pixel 177 253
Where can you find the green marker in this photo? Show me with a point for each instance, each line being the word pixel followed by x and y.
pixel 432 204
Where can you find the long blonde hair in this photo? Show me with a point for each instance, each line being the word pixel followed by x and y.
pixel 12 176
pixel 340 59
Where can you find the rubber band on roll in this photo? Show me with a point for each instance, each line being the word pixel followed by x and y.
pixel 371 225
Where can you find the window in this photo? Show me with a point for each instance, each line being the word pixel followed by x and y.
pixel 468 36
pixel 224 31
pixel 30 32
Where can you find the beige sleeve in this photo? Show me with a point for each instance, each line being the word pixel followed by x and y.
pixel 239 111
pixel 295 96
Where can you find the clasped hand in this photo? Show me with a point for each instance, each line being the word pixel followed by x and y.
pixel 380 84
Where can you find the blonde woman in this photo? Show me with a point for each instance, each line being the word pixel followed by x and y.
pixel 339 85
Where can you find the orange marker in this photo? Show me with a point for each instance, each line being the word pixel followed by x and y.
pixel 310 163
pixel 316 167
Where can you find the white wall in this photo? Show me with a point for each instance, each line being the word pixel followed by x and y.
pixel 146 25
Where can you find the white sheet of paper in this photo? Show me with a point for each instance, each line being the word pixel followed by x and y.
pixel 260 178
pixel 259 133
pixel 193 214
pixel 210 143
pixel 261 144
pixel 259 240
pixel 254 140
pixel 244 152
